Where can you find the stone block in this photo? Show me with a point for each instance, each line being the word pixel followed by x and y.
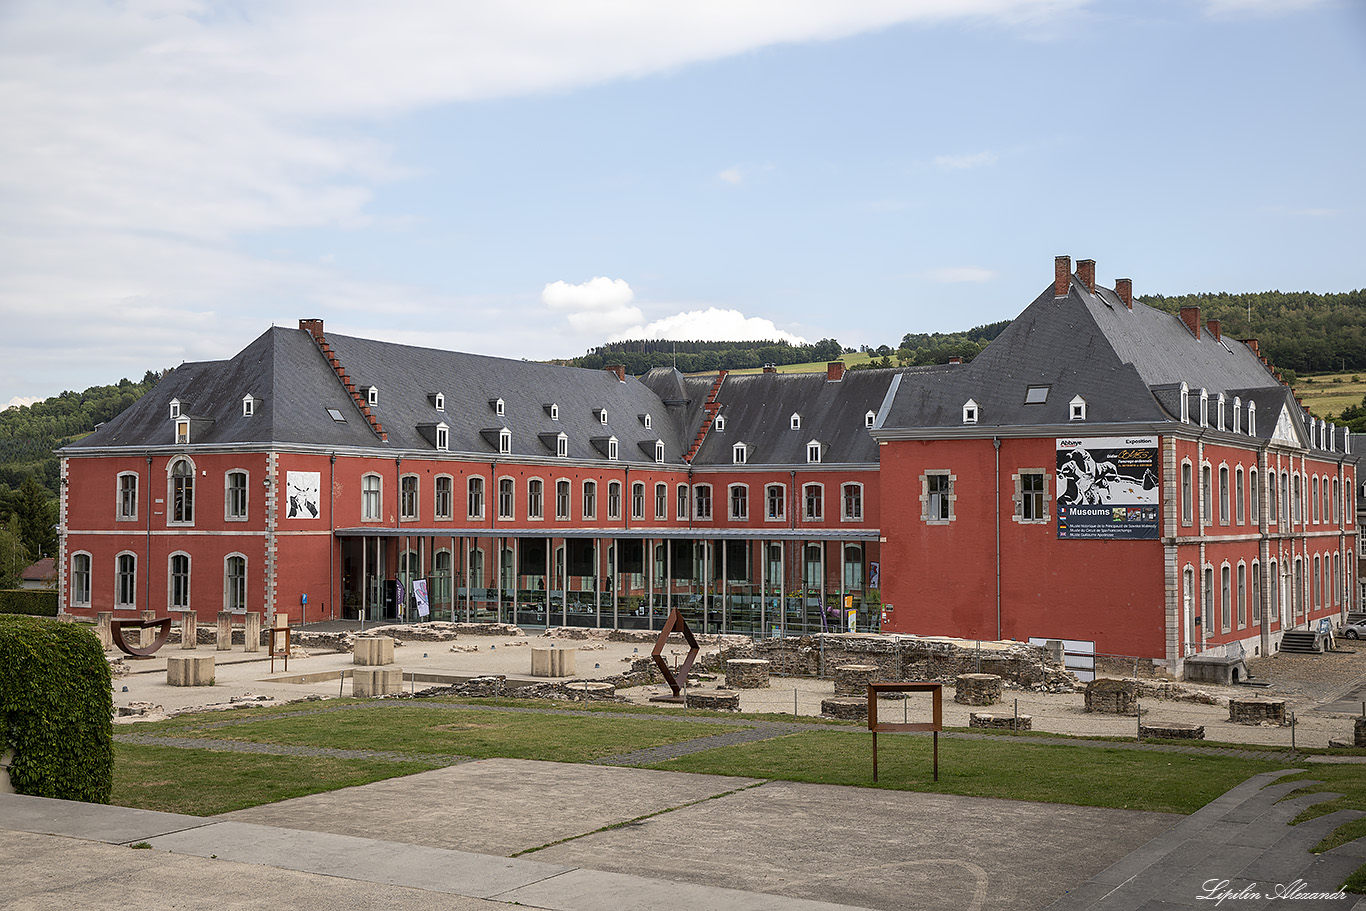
pixel 252 632
pixel 719 700
pixel 1171 730
pixel 373 651
pixel 553 662
pixel 977 689
pixel 1359 731
pixel 189 670
pixel 853 679
pixel 225 631
pixel 747 673
pixel 998 720
pixel 104 621
pixel 376 681
pixel 1113 697
pixel 189 629
pixel 1256 710
pixel 849 708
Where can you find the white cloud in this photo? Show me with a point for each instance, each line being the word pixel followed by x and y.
pixel 953 275
pixel 711 324
pixel 964 162
pixel 21 401
pixel 599 306
pixel 144 141
pixel 732 176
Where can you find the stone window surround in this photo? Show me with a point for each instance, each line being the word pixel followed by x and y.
pixel 1045 516
pixel 952 495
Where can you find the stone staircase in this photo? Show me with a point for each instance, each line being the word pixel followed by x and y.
pixel 1240 841
pixel 1301 642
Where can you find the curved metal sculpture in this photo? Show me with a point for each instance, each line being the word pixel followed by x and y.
pixel 162 626
pixel 675 624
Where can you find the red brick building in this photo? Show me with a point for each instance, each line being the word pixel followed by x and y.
pixel 1102 472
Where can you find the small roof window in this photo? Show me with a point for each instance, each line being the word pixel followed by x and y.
pixel 1036 395
pixel 336 415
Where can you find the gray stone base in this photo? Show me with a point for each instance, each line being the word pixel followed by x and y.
pixel 855 709
pixel 1000 720
pixel 376 681
pixel 189 670
pixel 714 699
pixel 1171 730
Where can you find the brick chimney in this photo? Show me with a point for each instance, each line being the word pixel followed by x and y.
pixel 1191 317
pixel 1214 329
pixel 1124 287
pixel 834 371
pixel 1254 345
pixel 770 368
pixel 1086 271
pixel 955 359
pixel 1062 275
pixel 618 369
pixel 313 327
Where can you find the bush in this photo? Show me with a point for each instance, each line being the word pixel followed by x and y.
pixel 33 602
pixel 56 706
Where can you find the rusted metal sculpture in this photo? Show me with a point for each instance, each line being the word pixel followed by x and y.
pixel 162 626
pixel 675 624
pixel 936 725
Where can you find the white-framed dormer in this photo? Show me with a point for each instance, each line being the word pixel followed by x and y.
pixel 1219 412
pixel 794 422
pixel 659 451
pixel 646 421
pixel 443 437
pixel 175 408
pixel 504 440
pixel 601 415
pixel 438 400
pixel 612 450
pixel 719 422
pixel 499 406
pixel 739 453
pixel 248 405
pixel 552 410
pixel 371 394
pixel 1237 414
pixel 1185 404
pixel 562 445
pixel 1076 409
pixel 814 450
pixel 1251 419
pixel 1204 407
pixel 182 431
pixel 969 412
pixel 869 419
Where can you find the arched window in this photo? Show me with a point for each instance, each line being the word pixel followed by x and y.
pixel 475 498
pixel 370 498
pixel 179 582
pixel 80 580
pixel 126 580
pixel 182 492
pixel 235 583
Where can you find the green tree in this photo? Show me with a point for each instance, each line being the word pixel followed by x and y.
pixel 14 557
pixel 36 517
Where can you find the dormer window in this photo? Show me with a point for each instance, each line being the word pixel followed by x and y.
pixel 499 408
pixel 562 446
pixel 443 438
pixel 1219 411
pixel 1077 409
pixel 612 449
pixel 182 432
pixel 720 422
pixel 645 420
pixel 553 410
pixel 602 415
pixel 1036 395
pixel 1252 419
pixel 1185 404
pixel 738 453
pixel 371 395
pixel 248 405
pixel 1204 408
pixel 795 422
pixel 336 415
pixel 438 401
pixel 175 408
pixel 505 440
pixel 1237 415
pixel 813 452
pixel 659 451
pixel 970 412
pixel 869 419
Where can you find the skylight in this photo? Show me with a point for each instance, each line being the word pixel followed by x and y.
pixel 1036 395
pixel 336 415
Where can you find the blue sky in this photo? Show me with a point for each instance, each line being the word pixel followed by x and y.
pixel 530 179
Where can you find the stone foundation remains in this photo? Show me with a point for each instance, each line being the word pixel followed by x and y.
pixel 977 689
pixel 998 720
pixel 747 673
pixel 1171 730
pixel 721 700
pixel 1113 697
pixel 1256 710
pixel 853 679
pixel 851 709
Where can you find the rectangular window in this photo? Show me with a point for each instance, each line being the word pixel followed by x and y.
pixel 505 498
pixel 1223 495
pixel 661 501
pixel 562 500
pixel 535 499
pixel 1256 593
pixel 128 496
pixel 852 502
pixel 938 497
pixel 1225 599
pixel 444 506
pixel 180 581
pixel 1031 502
pixel 739 503
pixel 590 500
pixel 1242 596
pixel 1254 498
pixel 1187 503
pixel 813 503
pixel 682 505
pixel 235 584
pixel 370 498
pixel 475 498
pixel 614 500
pixel 1238 495
pixel 702 499
pixel 237 494
pixel 407 499
pixel 776 497
pixel 637 501
pixel 1207 602
pixel 126 581
pixel 1206 495
pixel 80 579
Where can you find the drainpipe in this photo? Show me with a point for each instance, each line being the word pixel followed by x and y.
pixel 996 445
pixel 332 528
pixel 147 568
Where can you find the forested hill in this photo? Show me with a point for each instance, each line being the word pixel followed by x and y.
pixel 703 357
pixel 1297 330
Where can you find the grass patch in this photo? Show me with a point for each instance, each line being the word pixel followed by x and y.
pixel 1089 776
pixel 457 731
pixel 204 784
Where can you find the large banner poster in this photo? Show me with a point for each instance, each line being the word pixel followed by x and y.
pixel 1108 488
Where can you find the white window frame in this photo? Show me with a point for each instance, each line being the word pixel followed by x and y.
pixel 794 422
pixel 228 514
pixel 507 498
pixel 813 502
pixel 682 502
pixel 176 514
pixel 499 407
pixel 535 499
pixel 1185 404
pixel 439 401
pixel 447 514
pixel 737 508
pixel 229 603
pixel 248 405
pixel 443 438
pixel 366 513
pixel 856 513
pixel 171 580
pixel 779 515
pixel 175 408
pixel 590 499
pixel 613 449
pixel 504 441
pixel 1252 419
pixel 948 497
pixel 1076 409
pixel 613 500
pixel 813 452
pixel 1188 492
pixel 738 453
pixel 719 423
pixel 661 501
pixel 409 506
pixel 702 502
pixel 637 499
pixel 869 419
pixel 562 446
pixel 659 452
pixel 1034 497
pixel 77 598
pixel 182 432
pixel 476 496
pixel 122 514
pixel 970 412
pixel 648 421
pixel 564 494
pixel 132 577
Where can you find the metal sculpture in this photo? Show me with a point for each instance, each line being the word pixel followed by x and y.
pixel 675 624
pixel 163 627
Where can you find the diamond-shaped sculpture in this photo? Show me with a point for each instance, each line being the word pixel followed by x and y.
pixel 675 624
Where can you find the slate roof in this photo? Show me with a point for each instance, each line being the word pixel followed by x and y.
pixel 295 386
pixel 1126 364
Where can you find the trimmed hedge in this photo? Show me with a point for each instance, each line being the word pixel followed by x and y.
pixel 35 602
pixel 56 706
